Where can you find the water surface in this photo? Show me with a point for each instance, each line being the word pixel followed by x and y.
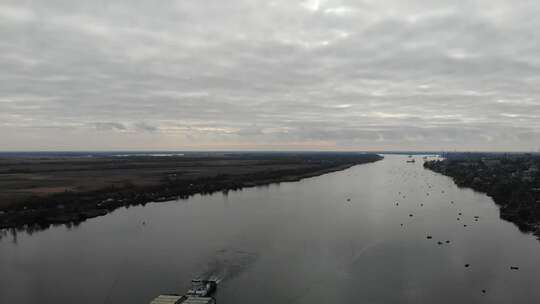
pixel 300 242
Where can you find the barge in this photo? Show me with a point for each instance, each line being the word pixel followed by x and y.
pixel 201 292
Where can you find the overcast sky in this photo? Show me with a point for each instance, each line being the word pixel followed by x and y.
pixel 238 74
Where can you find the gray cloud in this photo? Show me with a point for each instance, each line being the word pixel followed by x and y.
pixel 270 74
pixel 145 127
pixel 109 126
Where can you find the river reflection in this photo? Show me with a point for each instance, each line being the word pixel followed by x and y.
pixel 356 236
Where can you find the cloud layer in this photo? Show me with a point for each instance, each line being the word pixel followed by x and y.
pixel 239 74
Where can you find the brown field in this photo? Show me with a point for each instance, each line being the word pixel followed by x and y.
pixel 25 178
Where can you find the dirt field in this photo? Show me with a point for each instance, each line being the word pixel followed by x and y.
pixel 41 191
pixel 22 178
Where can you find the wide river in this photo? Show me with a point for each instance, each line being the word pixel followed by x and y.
pixel 300 242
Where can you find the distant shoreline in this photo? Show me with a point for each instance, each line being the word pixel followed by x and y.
pixel 170 183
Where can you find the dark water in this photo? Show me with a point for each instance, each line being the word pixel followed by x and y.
pixel 290 243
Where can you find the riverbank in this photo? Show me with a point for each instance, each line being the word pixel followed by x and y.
pixel 41 191
pixel 512 181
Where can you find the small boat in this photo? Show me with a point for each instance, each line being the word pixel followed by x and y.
pixel 411 161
